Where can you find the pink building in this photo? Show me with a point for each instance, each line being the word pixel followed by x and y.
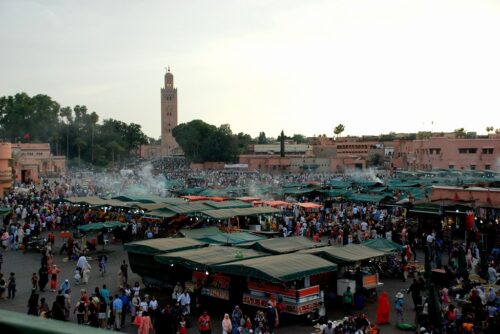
pixel 5 169
pixel 30 161
pixel 447 153
pixel 150 151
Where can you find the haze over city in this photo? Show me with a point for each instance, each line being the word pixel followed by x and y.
pixel 302 66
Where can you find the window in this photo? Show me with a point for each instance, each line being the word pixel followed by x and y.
pixel 487 167
pixel 451 166
pixel 472 167
pixel 472 150
pixel 487 151
pixel 462 150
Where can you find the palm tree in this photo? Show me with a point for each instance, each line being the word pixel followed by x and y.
pixel 79 142
pixel 94 118
pixel 338 130
pixel 115 148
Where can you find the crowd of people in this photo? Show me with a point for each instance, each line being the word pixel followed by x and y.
pixel 460 274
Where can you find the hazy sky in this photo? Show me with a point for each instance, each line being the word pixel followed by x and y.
pixel 302 66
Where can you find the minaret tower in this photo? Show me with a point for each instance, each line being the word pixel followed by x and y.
pixel 168 115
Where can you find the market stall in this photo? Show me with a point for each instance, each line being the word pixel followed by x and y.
pixel 351 258
pixel 141 255
pixel 283 245
pixel 289 278
pixel 199 263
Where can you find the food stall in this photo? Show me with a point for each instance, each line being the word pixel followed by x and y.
pixel 200 261
pixel 141 256
pixel 288 278
pixel 350 259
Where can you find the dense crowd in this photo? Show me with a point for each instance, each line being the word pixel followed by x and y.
pixel 455 291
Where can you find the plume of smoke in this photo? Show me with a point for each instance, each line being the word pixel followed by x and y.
pixel 369 174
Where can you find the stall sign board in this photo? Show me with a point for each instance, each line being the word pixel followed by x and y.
pixel 292 308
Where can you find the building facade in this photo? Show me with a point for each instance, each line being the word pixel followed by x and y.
pixel 168 115
pixel 5 168
pixel 30 161
pixel 447 153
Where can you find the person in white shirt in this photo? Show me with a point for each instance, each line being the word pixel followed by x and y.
pixel 153 304
pixel 185 300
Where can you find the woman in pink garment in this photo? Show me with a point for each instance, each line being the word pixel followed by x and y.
pixel 146 326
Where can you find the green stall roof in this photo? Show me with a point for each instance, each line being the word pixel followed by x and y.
pixel 234 238
pixel 161 213
pixel 367 197
pixel 162 245
pixel 284 245
pixel 202 258
pixel 19 323
pixel 383 245
pixel 234 204
pixel 189 207
pixel 100 226
pixel 345 255
pixel 213 235
pixel 278 268
pixel 250 211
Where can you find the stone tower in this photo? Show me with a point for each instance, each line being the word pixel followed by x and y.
pixel 168 115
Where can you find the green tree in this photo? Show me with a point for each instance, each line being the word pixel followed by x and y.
pixel 202 142
pixel 338 130
pixel 460 133
pixel 27 118
pixel 375 159
pixel 244 141
pixel 299 139
pixel 262 139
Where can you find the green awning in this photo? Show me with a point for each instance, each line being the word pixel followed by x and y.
pixel 189 207
pixel 234 238
pixel 339 184
pixel 427 208
pixel 162 245
pixel 5 210
pixel 234 204
pixel 101 225
pixel 203 258
pixel 278 268
pixel 250 211
pixel 284 245
pixel 345 255
pixel 383 245
pixel 215 236
pixel 161 213
pixel 20 323
pixel 367 197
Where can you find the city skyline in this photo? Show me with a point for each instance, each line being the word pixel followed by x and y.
pixel 263 66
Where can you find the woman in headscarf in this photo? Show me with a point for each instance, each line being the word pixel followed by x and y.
pixel 227 326
pixel 383 309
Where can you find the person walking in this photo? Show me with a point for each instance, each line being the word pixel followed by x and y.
pixel 11 286
pixel 54 272
pixel 383 309
pixel 43 277
pixel 398 306
pixel 146 325
pixel 117 309
pixel 33 305
pixel 81 311
pixel 124 273
pixel 205 323
pixel 227 326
